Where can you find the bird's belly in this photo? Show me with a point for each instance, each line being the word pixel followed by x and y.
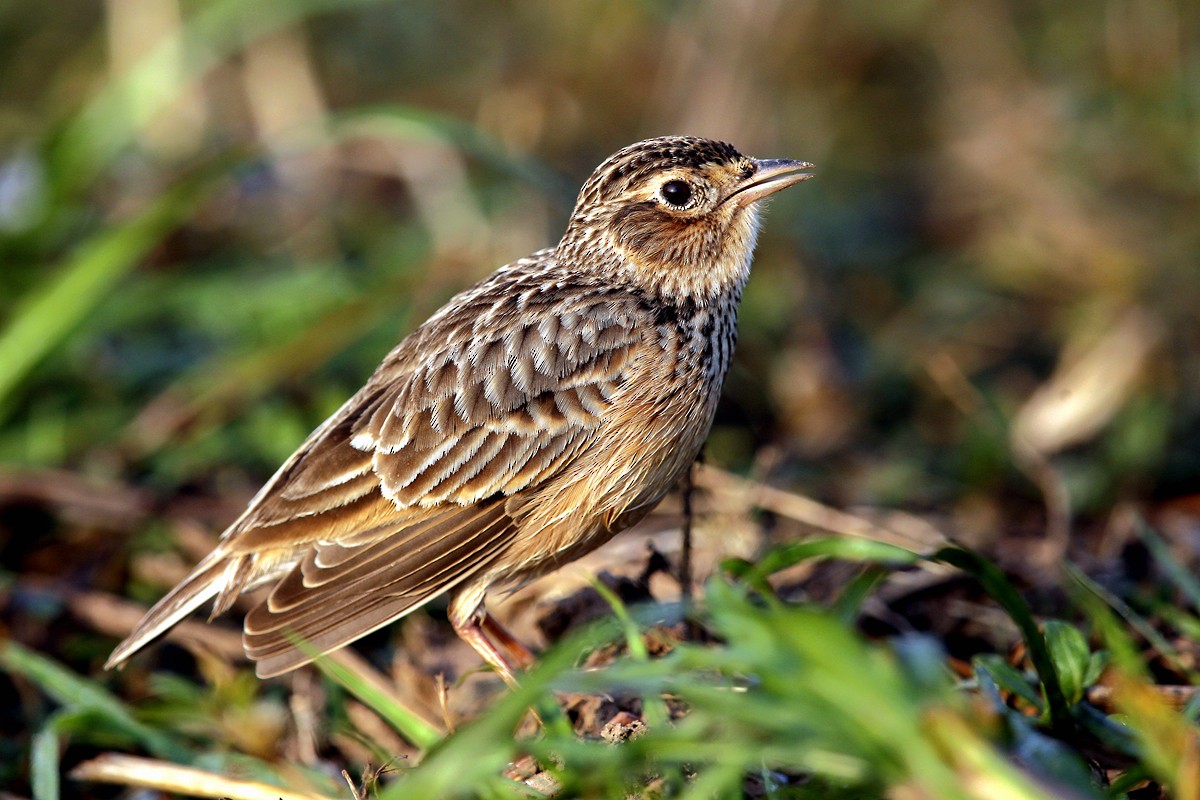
pixel 623 475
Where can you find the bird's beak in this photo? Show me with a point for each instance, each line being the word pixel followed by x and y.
pixel 769 177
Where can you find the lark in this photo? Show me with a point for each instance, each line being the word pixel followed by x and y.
pixel 527 422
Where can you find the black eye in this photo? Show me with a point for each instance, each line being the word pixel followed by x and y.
pixel 677 193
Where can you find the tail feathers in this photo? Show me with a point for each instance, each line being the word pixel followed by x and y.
pixel 201 585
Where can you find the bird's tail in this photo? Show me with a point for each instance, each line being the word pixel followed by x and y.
pixel 204 582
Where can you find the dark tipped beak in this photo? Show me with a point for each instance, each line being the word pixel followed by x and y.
pixel 769 177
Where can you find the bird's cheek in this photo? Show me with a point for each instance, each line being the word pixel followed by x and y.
pixel 743 228
pixel 646 237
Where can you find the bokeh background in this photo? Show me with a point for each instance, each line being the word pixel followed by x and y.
pixel 216 217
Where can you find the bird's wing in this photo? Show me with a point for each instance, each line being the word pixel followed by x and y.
pixel 405 497
pixel 338 593
pixel 400 495
pixel 486 399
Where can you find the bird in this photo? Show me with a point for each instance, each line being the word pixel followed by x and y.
pixel 535 416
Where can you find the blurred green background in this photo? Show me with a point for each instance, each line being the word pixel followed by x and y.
pixel 216 217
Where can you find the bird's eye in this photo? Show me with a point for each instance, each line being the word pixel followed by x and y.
pixel 676 193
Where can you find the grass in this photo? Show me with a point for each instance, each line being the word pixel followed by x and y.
pixel 788 695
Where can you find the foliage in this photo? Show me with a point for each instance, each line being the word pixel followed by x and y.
pixel 788 693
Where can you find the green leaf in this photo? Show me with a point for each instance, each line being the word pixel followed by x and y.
pixel 1008 677
pixel 845 548
pixel 1071 657
pixel 1097 661
pixel 1003 592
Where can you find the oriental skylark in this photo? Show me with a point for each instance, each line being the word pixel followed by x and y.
pixel 528 421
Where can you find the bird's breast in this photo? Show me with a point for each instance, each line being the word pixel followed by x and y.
pixel 653 428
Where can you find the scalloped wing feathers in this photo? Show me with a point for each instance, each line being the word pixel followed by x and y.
pixel 388 504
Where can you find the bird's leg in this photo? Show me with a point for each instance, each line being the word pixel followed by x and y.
pixel 521 654
pixel 472 624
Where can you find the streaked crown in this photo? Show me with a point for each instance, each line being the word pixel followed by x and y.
pixel 643 161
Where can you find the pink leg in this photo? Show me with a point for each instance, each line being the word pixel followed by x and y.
pixel 521 654
pixel 473 625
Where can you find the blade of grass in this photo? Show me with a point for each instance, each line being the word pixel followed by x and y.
pixel 474 758
pixel 1170 745
pixel 849 603
pixel 80 694
pixel 1135 620
pixel 1002 591
pixel 47 315
pixel 1000 673
pixel 654 709
pixel 983 771
pixel 410 724
pixel 1179 574
pixel 44 760
pixel 845 548
pixel 1148 731
pixel 633 636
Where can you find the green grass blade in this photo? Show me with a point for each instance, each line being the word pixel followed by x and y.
pixel 48 315
pixel 1179 574
pixel 474 758
pixel 1161 738
pixel 653 708
pixel 849 602
pixel 633 636
pixel 1136 621
pixel 81 695
pixel 1002 591
pixel 1007 677
pixel 44 764
pixel 844 548
pixel 410 725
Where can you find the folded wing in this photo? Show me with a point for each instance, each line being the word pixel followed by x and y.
pixel 400 496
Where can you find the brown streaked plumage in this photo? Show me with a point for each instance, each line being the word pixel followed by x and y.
pixel 535 416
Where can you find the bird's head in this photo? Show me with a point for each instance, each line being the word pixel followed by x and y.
pixel 677 214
